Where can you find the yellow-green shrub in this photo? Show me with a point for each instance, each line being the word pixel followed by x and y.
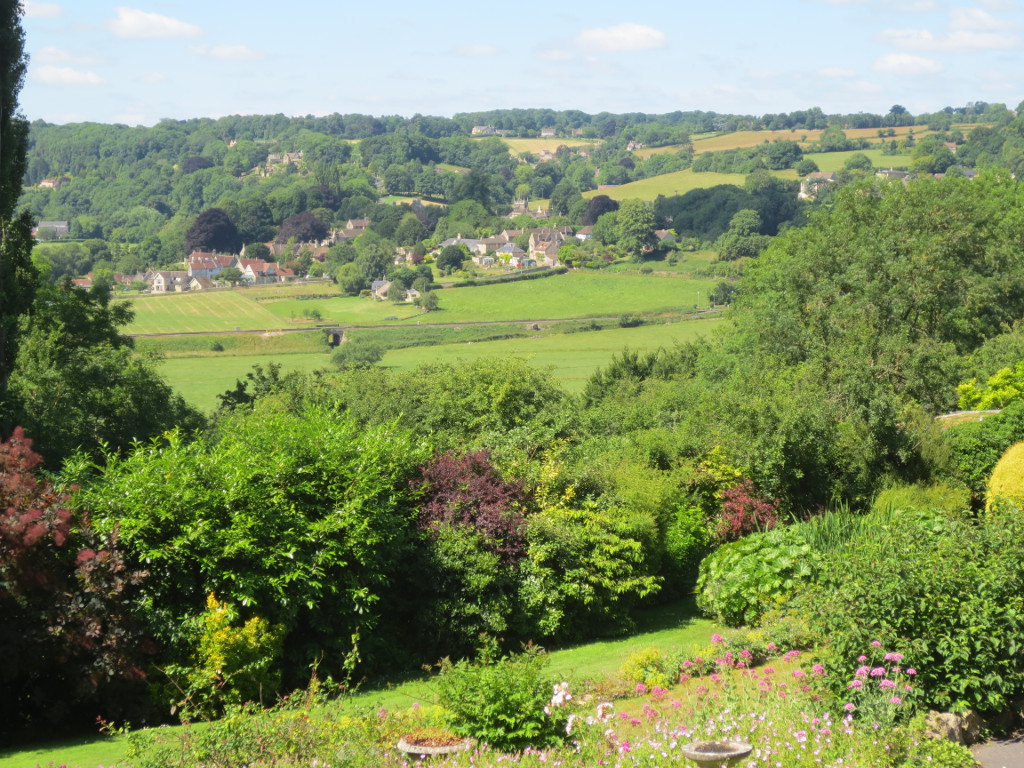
pixel 1006 483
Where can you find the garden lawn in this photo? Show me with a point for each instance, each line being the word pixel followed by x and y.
pixel 571 357
pixel 673 626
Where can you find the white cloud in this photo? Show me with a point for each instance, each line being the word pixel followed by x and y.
pixel 51 54
pixel 554 54
pixel 906 64
pixel 918 6
pixel 133 23
pixel 624 37
pixel 228 52
pixel 836 72
pixel 475 50
pixel 42 10
pixel 973 18
pixel 52 75
pixel 998 5
pixel 957 41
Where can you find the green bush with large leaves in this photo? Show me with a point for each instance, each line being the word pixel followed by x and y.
pixel 740 581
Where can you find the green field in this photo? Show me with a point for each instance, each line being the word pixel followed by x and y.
pixel 200 379
pixel 201 375
pixel 576 294
pixel 668 184
pixel 535 146
pixel 834 161
pixel 571 357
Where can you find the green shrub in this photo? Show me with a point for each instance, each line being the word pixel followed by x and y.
pixel 948 593
pixel 650 667
pixel 505 702
pixel 976 447
pixel 687 541
pixel 743 579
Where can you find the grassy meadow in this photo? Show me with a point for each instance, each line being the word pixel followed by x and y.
pixel 571 357
pixel 573 295
pixel 668 184
pixel 536 146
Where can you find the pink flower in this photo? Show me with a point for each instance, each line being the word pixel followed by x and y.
pixel 798 673
pixel 911 671
pixel 878 672
pixel 818 669
pixel 716 679
pixel 641 688
pixel 862 658
pixel 855 684
pixel 683 678
pixel 717 638
pixel 894 657
pixel 862 671
pixel 687 664
pixel 849 707
pixel 895 700
pixel 769 670
pixel 772 647
pixel 887 683
pixel 876 644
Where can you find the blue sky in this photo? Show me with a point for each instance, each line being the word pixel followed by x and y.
pixel 142 61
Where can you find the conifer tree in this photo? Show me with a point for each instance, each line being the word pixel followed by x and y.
pixel 17 274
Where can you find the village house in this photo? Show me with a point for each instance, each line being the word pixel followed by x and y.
pixel 58 228
pixel 813 183
pixel 168 281
pixel 208 264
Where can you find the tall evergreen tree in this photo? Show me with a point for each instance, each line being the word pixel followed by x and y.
pixel 18 277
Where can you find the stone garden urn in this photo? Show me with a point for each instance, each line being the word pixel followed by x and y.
pixel 716 753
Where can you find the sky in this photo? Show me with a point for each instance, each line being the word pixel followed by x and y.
pixel 144 61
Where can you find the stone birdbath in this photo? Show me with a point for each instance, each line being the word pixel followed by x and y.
pixel 716 753
pixel 430 741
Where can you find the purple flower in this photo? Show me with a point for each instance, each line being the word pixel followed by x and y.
pixel 862 671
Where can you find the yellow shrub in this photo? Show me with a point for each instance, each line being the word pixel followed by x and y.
pixel 1007 480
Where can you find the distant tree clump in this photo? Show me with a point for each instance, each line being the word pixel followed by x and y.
pixel 597 205
pixel 213 230
pixel 304 227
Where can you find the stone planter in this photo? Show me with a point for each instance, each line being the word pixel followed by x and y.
pixel 716 753
pixel 425 750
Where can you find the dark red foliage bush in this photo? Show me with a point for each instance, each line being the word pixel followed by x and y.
pixel 468 490
pixel 745 511
pixel 68 649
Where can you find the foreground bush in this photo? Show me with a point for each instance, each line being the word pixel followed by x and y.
pixel 947 593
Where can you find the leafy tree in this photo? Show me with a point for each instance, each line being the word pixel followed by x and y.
pixel 596 207
pixel 231 275
pixel 806 166
pixel 304 227
pixel 17 275
pixel 450 259
pixel 358 353
pixel 213 230
pixel 79 383
pixel 858 162
pixel 635 224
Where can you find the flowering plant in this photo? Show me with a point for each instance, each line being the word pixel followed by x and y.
pixel 881 688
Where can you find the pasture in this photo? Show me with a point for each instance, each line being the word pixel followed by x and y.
pixel 668 184
pixel 535 146
pixel 834 161
pixel 200 379
pixel 571 357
